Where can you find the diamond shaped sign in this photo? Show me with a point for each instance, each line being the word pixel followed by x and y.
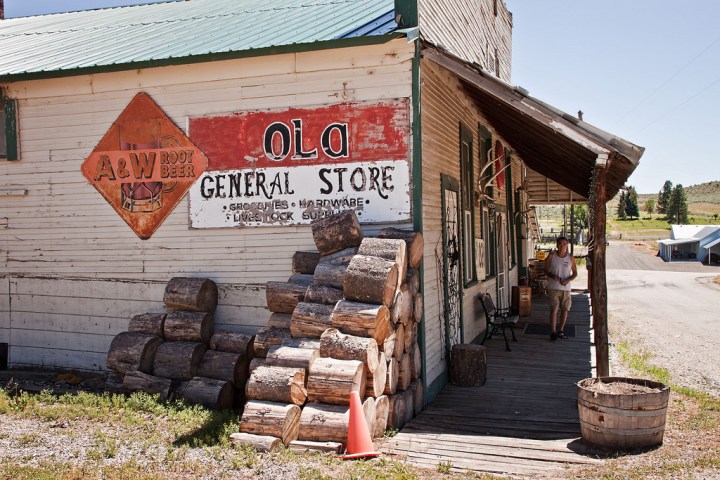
pixel 144 165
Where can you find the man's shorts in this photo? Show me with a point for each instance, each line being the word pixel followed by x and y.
pixel 560 298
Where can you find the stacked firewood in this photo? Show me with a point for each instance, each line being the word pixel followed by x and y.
pixel 178 354
pixel 346 320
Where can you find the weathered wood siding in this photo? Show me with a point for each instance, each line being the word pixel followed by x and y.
pixel 73 273
pixel 470 30
pixel 443 107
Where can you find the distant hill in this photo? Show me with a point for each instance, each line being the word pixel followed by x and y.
pixel 703 198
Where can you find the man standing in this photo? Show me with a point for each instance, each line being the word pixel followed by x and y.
pixel 560 270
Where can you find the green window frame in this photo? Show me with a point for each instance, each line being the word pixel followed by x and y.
pixel 467 204
pixel 8 129
pixel 510 207
pixel 487 214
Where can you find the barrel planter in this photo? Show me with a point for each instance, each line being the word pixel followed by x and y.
pixel 622 413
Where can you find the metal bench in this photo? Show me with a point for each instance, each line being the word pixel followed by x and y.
pixel 497 320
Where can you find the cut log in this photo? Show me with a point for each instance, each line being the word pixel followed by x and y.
pixel 396 409
pixel 255 363
pixel 371 280
pixel 311 343
pixel 301 279
pixel 468 364
pixel 388 345
pixel 234 343
pixel 178 360
pixel 414 241
pixel 418 396
pixel 195 294
pixel 320 422
pixel 409 404
pixel 231 367
pixel 332 380
pixel 413 281
pixel 189 326
pixel 336 344
pixel 151 323
pixel 282 297
pixel 261 443
pixel 402 309
pixel 277 384
pixel 303 446
pixel 215 394
pixel 376 380
pixel 399 341
pixel 416 364
pixel 418 310
pixel 323 294
pixel 271 418
pixel 362 319
pixel 404 371
pixel 266 337
pixel 133 351
pixel 310 320
pixel 280 320
pixel 391 380
pixel 330 270
pixel 141 382
pixel 114 382
pixel 410 336
pixel 369 410
pixel 305 261
pixel 282 356
pixel 382 410
pixel 391 249
pixel 336 232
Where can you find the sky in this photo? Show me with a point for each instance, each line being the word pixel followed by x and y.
pixel 647 71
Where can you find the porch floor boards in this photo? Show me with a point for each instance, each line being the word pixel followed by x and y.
pixel 524 420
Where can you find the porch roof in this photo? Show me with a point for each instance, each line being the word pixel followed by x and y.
pixel 712 244
pixel 560 149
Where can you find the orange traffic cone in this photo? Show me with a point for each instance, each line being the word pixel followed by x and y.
pixel 359 443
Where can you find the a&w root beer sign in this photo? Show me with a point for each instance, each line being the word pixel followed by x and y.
pixel 292 166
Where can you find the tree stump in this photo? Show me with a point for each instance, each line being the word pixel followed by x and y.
pixel 136 381
pixel 376 380
pixel 233 343
pixel 305 261
pixel 215 394
pixel 266 337
pixel 310 320
pixel 320 422
pixel 189 326
pixel 332 380
pixel 231 367
pixel 151 323
pixel 467 365
pixel 261 443
pixel 133 351
pixel 271 418
pixel 362 319
pixel 277 384
pixel 414 241
pixel 371 280
pixel 178 360
pixel 194 294
pixel 382 411
pixel 338 345
pixel 337 232
pixel 323 294
pixel 282 297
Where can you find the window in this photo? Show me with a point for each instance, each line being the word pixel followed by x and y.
pixel 495 7
pixel 8 129
pixel 510 207
pixel 467 175
pixel 488 211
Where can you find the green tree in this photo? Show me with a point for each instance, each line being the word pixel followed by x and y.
pixel 677 210
pixel 622 205
pixel 664 197
pixel 631 203
pixel 580 212
pixel 649 206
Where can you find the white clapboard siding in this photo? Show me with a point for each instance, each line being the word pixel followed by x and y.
pixel 470 30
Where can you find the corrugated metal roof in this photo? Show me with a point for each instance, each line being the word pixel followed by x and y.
pixel 175 30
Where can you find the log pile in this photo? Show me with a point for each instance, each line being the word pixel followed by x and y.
pixel 353 327
pixel 177 354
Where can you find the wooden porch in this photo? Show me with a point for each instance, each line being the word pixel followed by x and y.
pixel 524 420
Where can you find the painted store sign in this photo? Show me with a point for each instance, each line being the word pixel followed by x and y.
pixel 289 167
pixel 144 165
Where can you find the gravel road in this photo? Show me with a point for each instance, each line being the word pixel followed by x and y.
pixel 670 310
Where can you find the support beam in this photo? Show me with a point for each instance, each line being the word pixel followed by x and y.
pixel 598 279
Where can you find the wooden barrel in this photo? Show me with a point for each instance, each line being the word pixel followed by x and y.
pixel 622 413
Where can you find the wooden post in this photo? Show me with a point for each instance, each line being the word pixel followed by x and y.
pixel 599 281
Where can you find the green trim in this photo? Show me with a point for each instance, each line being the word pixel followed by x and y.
pixel 11 137
pixel 451 184
pixel 467 203
pixel 433 390
pixel 406 12
pixel 511 208
pixel 210 57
